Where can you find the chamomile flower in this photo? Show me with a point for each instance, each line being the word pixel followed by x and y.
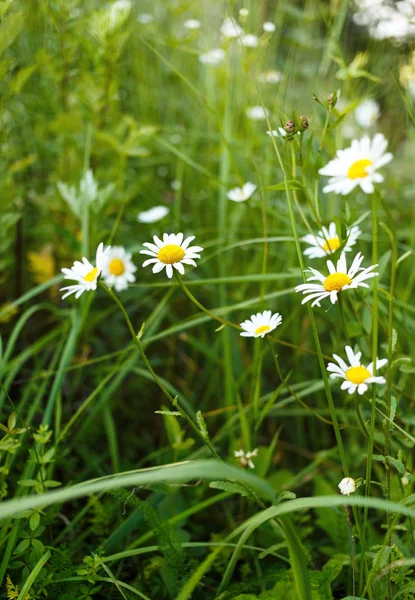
pixel 241 194
pixel 270 77
pixel 85 274
pixel 357 166
pixel 171 253
pixel 356 376
pixel 347 486
pixel 260 324
pixel 245 458
pixel 367 113
pixel 328 241
pixel 119 269
pixel 339 279
pixel 269 27
pixel 191 24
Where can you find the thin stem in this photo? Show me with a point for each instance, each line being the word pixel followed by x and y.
pixel 160 384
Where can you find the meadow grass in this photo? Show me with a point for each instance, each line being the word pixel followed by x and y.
pixel 148 448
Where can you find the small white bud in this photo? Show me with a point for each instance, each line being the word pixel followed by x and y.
pixel 347 486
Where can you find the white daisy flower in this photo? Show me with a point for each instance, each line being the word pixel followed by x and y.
pixel 250 40
pixel 328 241
pixel 269 27
pixel 119 269
pixel 270 77
pixel 85 274
pixel 367 113
pixel 339 279
pixel 347 486
pixel 357 165
pixel 152 215
pixel 191 24
pixel 171 252
pixel 257 113
pixel 280 132
pixel 245 458
pixel 230 29
pixel 212 57
pixel 356 376
pixel 241 194
pixel 260 324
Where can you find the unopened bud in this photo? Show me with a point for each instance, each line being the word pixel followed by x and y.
pixel 304 122
pixel 332 99
pixel 289 126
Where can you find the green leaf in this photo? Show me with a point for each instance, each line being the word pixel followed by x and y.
pixel 228 486
pixel 34 521
pixel 28 482
pixel 293 184
pixel 272 549
pixel 202 425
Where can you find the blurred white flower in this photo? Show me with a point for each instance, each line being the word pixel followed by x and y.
pixel 356 376
pixel 277 133
pixel 230 29
pixel 241 194
pixel 244 12
pixel 153 214
pixel 212 57
pixel 191 24
pixel 260 324
pixel 171 252
pixel 367 113
pixel 269 27
pixel 145 18
pixel 347 486
pixel 257 113
pixel 176 184
pixel 328 241
pixel 270 77
pixel 119 269
pixel 387 21
pixel 357 166
pixel 245 458
pixel 85 273
pixel 250 41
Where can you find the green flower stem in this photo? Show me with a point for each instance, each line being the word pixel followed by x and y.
pixel 140 349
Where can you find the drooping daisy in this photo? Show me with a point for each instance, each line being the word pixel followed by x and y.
pixel 171 252
pixel 356 376
pixel 152 215
pixel 260 324
pixel 367 113
pixel 328 241
pixel 241 194
pixel 347 486
pixel 119 269
pixel 212 57
pixel 245 458
pixel 339 279
pixel 85 274
pixel 357 166
pixel 257 113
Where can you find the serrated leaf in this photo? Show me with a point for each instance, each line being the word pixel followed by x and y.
pixel 399 466
pixel 202 425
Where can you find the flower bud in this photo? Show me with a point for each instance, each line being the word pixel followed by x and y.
pixel 303 122
pixel 289 126
pixel 347 486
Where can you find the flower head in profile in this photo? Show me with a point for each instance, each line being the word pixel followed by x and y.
pixel 85 274
pixel 171 253
pixel 241 194
pixel 230 29
pixel 152 215
pixel 257 113
pixel 328 241
pixel 119 269
pixel 367 113
pixel 356 376
pixel 260 324
pixel 212 57
pixel 357 166
pixel 340 278
pixel 347 486
pixel 245 458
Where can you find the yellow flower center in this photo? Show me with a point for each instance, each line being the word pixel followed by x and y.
pixel 91 275
pixel 358 169
pixel 332 244
pixel 170 254
pixel 336 282
pixel 262 329
pixel 357 375
pixel 116 267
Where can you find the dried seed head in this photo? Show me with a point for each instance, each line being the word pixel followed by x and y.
pixel 304 122
pixel 289 126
